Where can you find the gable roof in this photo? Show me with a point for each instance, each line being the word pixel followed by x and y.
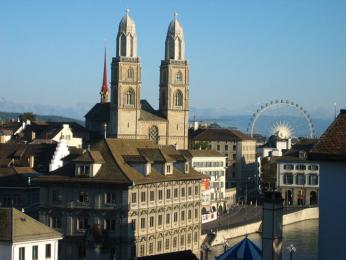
pixel 332 144
pixel 220 134
pixel 99 112
pixel 202 153
pixel 90 157
pixel 149 113
pixel 16 226
pixel 117 154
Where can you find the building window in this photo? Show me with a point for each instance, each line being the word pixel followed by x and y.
pixel 178 99
pixel 151 247
pixel 168 218
pixel 182 217
pixel 196 213
pixel 195 237
pixel 57 197
pixel 22 253
pixel 130 73
pixel 300 179
pixel 109 224
pixel 167 244
pixel 34 252
pixel 143 196
pixel 179 76
pixel 175 242
pixel 313 167
pixel 182 192
pixel 134 197
pixel 154 134
pixel 159 220
pixel 160 194
pixel 189 238
pixel 189 214
pixel 151 221
pixel 168 169
pixel 141 250
pixel 182 240
pixel 83 197
pixel 300 167
pixel 110 197
pixel 142 223
pixel 48 251
pixel 84 170
pixel 196 190
pixel 168 194
pixel 152 195
pixel 288 178
pixel 226 147
pixel 313 179
pixel 130 97
pixel 288 167
pixel 175 217
pixel 159 246
pixel 189 191
pixel 133 224
pixel 56 222
pixel 175 193
pixel 82 223
pixel 218 147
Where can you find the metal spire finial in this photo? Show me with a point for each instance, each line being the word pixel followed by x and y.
pixel 175 15
pixel 127 11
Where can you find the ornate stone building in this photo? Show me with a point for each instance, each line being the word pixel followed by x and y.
pixel 124 198
pixel 133 118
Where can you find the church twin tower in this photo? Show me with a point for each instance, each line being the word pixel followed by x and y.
pixel 133 118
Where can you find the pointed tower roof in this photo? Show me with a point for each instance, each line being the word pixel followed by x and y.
pixel 175 27
pixel 127 37
pixel 104 87
pixel 175 43
pixel 127 24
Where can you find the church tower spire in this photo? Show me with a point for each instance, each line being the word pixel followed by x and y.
pixel 104 89
pixel 126 82
pixel 127 37
pixel 174 85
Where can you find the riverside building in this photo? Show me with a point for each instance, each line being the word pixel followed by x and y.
pixel 124 199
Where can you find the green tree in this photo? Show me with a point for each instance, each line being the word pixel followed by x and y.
pixel 27 116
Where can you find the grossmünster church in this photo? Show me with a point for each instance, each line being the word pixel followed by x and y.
pixel 123 114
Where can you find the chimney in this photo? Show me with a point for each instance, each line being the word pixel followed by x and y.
pixel 272 226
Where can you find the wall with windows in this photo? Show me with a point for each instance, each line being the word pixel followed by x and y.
pixel 67 134
pixel 298 182
pixel 215 168
pixel 165 217
pixel 35 250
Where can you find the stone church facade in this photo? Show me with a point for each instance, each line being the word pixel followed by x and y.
pixel 133 118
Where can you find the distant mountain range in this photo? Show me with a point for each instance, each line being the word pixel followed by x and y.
pixel 223 116
pixel 49 118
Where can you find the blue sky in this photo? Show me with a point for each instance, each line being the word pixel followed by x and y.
pixel 242 53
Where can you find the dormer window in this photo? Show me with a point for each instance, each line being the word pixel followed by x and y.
pixel 83 170
pixel 148 169
pixel 186 167
pixel 168 168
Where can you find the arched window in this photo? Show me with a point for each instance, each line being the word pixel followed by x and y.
pixel 154 134
pixel 178 99
pixel 130 97
pixel 130 73
pixel 179 76
pixel 122 45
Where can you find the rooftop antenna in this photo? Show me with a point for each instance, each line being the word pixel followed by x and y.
pixel 334 110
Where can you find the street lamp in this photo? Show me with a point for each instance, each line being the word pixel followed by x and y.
pixel 291 248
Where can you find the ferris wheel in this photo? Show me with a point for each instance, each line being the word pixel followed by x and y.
pixel 282 128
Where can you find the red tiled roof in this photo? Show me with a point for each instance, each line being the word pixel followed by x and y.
pixel 332 144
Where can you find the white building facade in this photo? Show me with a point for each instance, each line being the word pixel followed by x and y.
pixel 22 237
pixel 298 181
